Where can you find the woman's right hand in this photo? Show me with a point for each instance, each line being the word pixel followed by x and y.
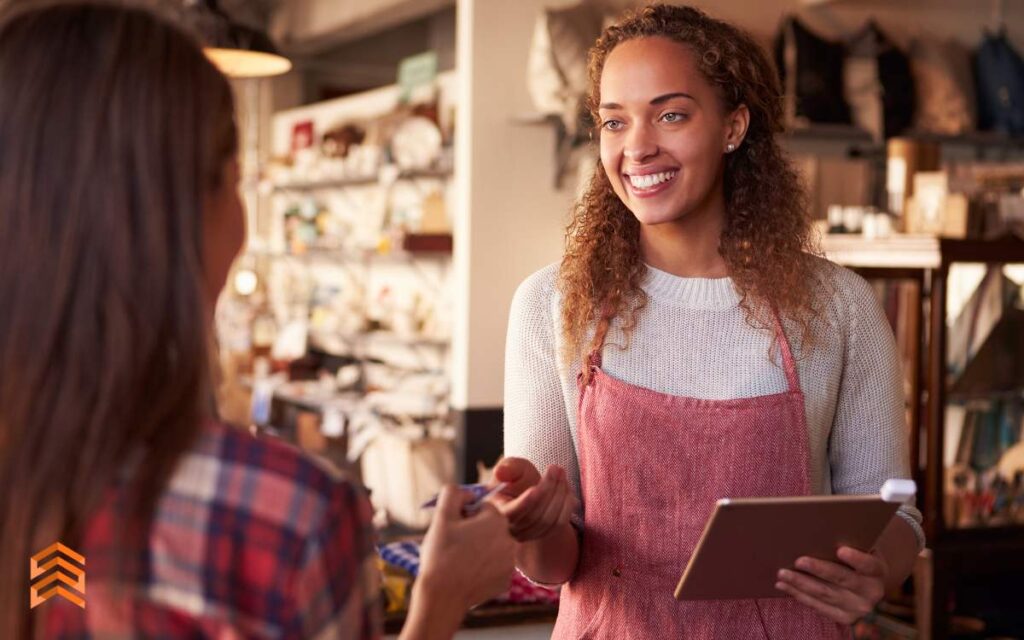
pixel 466 559
pixel 535 504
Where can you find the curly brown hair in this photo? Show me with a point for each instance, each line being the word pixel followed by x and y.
pixel 766 241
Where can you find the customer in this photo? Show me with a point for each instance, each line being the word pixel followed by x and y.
pixel 119 218
pixel 739 363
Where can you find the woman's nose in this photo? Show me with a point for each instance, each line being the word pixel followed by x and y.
pixel 640 144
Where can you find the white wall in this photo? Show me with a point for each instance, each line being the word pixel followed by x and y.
pixel 511 219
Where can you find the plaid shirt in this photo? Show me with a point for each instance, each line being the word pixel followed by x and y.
pixel 250 539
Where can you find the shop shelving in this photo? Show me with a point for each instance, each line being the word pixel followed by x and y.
pixel 854 142
pixel 953 552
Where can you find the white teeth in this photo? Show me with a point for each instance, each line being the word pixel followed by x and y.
pixel 651 179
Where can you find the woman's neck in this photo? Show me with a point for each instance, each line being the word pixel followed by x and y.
pixel 687 247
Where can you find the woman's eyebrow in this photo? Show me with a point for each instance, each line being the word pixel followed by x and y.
pixel 669 96
pixel 655 101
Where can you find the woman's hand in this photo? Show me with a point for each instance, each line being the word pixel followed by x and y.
pixel 844 592
pixel 463 561
pixel 466 559
pixel 535 504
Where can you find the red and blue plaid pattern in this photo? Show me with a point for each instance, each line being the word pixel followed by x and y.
pixel 251 539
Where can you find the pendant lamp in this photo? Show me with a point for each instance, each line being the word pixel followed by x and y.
pixel 238 50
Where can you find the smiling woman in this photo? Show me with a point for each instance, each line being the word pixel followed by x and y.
pixel 745 365
pixel 674 94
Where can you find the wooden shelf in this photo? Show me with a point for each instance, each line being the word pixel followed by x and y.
pixel 990 139
pixel 389 338
pixel 536 118
pixel 857 142
pixel 430 243
pixel 828 133
pixel 348 344
pixel 987 537
pixel 897 251
pixel 917 252
pixel 359 181
pixel 361 256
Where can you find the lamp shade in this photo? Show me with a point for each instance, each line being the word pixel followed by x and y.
pixel 238 50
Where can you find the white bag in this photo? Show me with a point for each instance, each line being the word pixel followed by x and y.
pixel 403 469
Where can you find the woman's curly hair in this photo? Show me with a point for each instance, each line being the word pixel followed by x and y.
pixel 767 236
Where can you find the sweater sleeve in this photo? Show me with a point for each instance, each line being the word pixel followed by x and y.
pixel 537 425
pixel 868 444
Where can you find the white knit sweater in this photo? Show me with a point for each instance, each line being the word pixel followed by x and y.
pixel 692 339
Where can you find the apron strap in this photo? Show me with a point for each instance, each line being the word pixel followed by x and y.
pixel 788 361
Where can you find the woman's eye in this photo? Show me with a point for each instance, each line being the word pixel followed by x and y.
pixel 673 117
pixel 611 125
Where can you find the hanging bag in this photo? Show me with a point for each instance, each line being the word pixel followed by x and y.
pixel 811 69
pixel 1000 83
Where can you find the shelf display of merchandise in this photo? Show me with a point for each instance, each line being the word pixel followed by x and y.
pixel 343 312
pixel 984 452
pixel 957 308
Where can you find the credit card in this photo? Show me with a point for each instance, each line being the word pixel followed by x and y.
pixel 480 492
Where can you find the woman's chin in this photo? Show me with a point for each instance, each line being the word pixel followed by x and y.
pixel 653 217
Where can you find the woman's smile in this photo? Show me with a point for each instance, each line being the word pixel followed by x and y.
pixel 649 183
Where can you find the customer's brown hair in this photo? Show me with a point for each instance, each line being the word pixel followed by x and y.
pixel 766 241
pixel 113 128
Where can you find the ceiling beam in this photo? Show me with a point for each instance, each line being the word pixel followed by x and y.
pixel 308 27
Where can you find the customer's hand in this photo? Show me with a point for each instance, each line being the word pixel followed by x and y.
pixel 535 505
pixel 468 559
pixel 845 591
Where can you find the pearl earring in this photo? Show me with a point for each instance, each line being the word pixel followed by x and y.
pixel 729 148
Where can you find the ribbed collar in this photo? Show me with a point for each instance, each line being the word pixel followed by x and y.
pixel 690 293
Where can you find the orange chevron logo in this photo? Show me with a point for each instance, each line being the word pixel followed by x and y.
pixel 59 576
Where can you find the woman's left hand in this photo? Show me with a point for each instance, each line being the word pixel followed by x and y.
pixel 844 592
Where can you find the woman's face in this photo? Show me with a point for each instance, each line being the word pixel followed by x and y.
pixel 223 231
pixel 663 130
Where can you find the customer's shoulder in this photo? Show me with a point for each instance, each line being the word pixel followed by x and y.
pixel 268 453
pixel 240 520
pixel 265 477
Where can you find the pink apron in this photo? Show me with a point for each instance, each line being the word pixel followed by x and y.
pixel 652 466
